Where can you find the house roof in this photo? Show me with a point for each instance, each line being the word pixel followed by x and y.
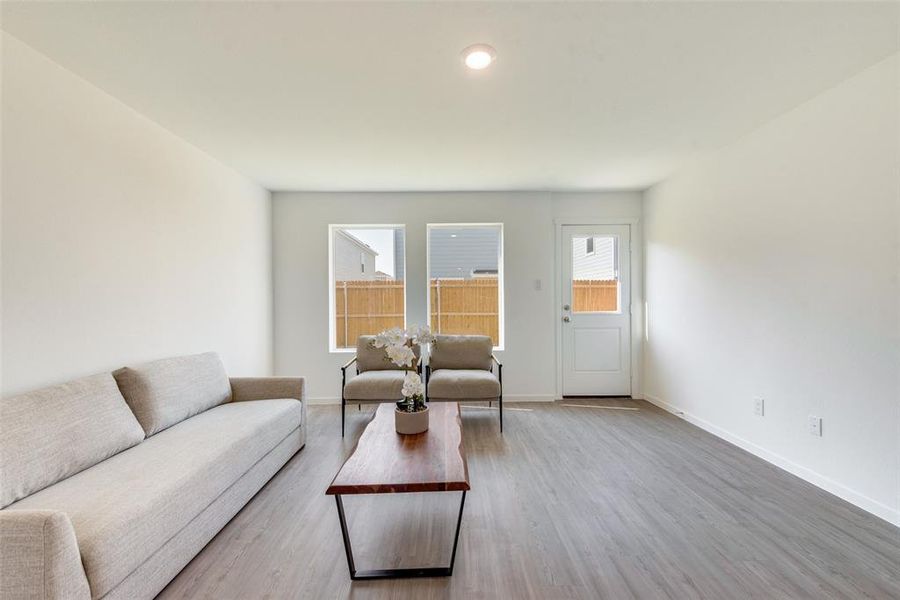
pixel 352 238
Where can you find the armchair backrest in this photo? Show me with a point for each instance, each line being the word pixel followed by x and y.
pixel 461 352
pixel 370 358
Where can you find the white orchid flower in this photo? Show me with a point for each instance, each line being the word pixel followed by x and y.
pixel 412 385
pixel 421 334
pixel 393 336
pixel 402 356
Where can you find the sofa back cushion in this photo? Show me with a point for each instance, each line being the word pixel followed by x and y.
pixel 461 352
pixel 50 434
pixel 165 392
pixel 370 358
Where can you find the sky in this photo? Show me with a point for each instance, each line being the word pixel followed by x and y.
pixel 382 241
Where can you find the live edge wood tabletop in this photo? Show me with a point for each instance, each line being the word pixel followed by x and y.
pixel 385 462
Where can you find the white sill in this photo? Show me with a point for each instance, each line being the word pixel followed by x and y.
pixel 341 350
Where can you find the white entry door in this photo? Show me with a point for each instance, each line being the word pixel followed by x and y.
pixel 596 310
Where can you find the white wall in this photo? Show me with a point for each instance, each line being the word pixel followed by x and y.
pixel 300 229
pixel 120 241
pixel 772 270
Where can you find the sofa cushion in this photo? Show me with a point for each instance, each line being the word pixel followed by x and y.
pixel 461 352
pixel 463 384
pixel 375 385
pixel 370 358
pixel 52 433
pixel 165 392
pixel 127 507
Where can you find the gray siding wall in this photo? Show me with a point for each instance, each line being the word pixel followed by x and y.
pixel 399 258
pixel 599 265
pixel 472 248
pixel 349 258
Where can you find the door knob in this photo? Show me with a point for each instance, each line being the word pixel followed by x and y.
pixel 566 319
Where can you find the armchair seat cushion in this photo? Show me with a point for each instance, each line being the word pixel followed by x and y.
pixel 463 384
pixel 376 385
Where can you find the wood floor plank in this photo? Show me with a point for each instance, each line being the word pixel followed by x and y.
pixel 567 504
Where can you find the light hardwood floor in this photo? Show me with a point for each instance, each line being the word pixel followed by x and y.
pixel 569 502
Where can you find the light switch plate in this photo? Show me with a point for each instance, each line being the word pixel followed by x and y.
pixel 815 425
pixel 759 407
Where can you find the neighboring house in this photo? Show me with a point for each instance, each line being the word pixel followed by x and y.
pixel 382 276
pixel 353 259
pixel 463 253
pixel 594 258
pixel 399 254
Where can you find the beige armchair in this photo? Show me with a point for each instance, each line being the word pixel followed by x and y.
pixel 377 379
pixel 460 369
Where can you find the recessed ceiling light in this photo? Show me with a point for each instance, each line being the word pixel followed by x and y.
pixel 479 56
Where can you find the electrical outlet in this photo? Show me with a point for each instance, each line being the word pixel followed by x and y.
pixel 815 425
pixel 759 407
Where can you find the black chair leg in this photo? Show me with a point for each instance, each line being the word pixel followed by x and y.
pixel 343 415
pixel 500 402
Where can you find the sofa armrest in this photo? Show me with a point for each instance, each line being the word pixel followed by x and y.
pixel 271 388
pixel 267 388
pixel 39 557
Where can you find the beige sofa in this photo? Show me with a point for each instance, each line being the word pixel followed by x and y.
pixel 111 484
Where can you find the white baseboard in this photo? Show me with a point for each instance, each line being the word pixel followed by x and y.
pixel 506 398
pixel 878 509
pixel 323 400
pixel 529 397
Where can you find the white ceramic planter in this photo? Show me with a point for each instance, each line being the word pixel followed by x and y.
pixel 409 423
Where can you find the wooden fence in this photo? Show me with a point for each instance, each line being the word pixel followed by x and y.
pixel 466 306
pixel 595 295
pixel 365 308
pixel 458 306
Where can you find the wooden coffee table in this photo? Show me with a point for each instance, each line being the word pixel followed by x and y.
pixel 385 462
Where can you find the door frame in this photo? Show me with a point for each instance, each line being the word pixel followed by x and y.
pixel 636 289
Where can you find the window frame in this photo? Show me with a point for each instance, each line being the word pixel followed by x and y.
pixel 332 320
pixel 501 316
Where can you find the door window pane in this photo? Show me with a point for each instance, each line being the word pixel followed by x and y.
pixel 368 271
pixel 466 279
pixel 595 274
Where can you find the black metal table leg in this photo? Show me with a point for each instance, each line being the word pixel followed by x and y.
pixel 346 534
pixel 462 505
pixel 396 573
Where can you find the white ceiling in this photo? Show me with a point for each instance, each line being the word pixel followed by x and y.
pixel 373 96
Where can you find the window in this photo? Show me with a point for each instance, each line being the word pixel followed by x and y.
pixel 595 274
pixel 465 272
pixel 368 288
